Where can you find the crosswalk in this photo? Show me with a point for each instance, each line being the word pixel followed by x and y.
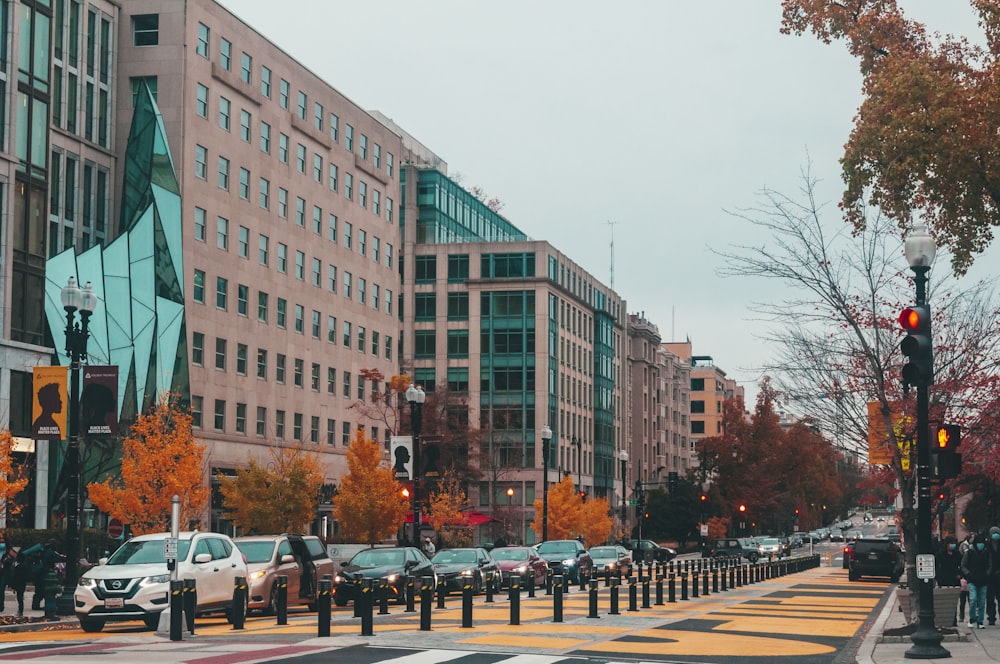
pixel 382 655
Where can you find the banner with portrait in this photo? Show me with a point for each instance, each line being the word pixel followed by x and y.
pixel 99 401
pixel 50 403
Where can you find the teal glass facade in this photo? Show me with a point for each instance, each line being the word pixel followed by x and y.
pixel 139 322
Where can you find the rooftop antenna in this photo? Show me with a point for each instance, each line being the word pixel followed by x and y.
pixel 612 224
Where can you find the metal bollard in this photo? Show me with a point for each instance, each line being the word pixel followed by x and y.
pixel 584 579
pixel 722 579
pixel 515 599
pixel 281 598
pixel 615 583
pixel 594 583
pixel 548 582
pixel 190 602
pixel 239 608
pixel 410 592
pixel 323 596
pixel 633 604
pixel 176 609
pixel 441 595
pixel 684 587
pixel 659 590
pixel 368 607
pixel 694 584
pixel 467 604
pixel 383 597
pixel 704 582
pixel 358 594
pixel 645 593
pixel 489 590
pixel 557 599
pixel 671 588
pixel 715 578
pixel 426 597
pixel 531 585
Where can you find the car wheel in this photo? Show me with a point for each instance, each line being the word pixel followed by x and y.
pixel 152 622
pixel 272 602
pixel 230 618
pixel 853 576
pixel 340 600
pixel 752 557
pixel 91 624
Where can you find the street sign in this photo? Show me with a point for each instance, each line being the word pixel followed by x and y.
pixel 704 530
pixel 115 528
pixel 633 502
pixel 170 548
pixel 925 565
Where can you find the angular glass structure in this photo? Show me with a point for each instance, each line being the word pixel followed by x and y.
pixel 138 323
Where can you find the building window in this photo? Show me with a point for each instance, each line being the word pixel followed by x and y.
pixel 363 143
pixel 279 369
pixel 348 186
pixel 316 317
pixel 300 266
pixel 282 258
pixel 198 349
pixel 458 268
pixel 282 203
pixel 282 312
pixel 201 101
pixel 225 108
pixel 265 193
pixel 331 278
pixel 201 47
pixel 331 329
pixel 347 384
pixel 388 209
pixel 262 363
pixel 424 344
pixel 303 103
pixel 199 286
pixel 226 54
pixel 199 224
pixel 300 158
pixel 279 425
pixel 223 173
pixel 283 148
pixel 697 406
pixel 241 359
pixel 317 272
pixel 458 343
pixel 299 370
pixel 245 126
pixel 244 184
pixel 349 138
pixel 347 334
pixel 331 432
pixel 200 162
pixel 458 306
pixel 697 426
pixel 262 247
pixel 333 177
pixel 283 94
pixel 300 212
pixel 314 377
pixel 220 354
pixel 265 137
pixel 197 408
pixel 145 30
pixel 221 293
pixel 262 299
pixel 425 306
pixel 222 233
pixel 317 220
pixel 265 81
pixel 388 348
pixel 297 426
pixel 299 316
pixel 363 194
pixel 425 269
pixel 261 421
pixel 334 128
pixel 318 115
pixel 318 167
pixel 345 436
pixel 314 429
pixel 242 299
pixel 246 71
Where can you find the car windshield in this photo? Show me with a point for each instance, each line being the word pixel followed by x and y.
pixel 257 552
pixel 454 556
pixel 603 552
pixel 510 554
pixel 546 548
pixel 377 558
pixel 146 551
pixel 770 541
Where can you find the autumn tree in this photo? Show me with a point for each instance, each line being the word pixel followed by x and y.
pixel 926 139
pixel 369 506
pixel 279 496
pixel 383 401
pixel 570 517
pixel 160 459
pixel 444 512
pixel 13 476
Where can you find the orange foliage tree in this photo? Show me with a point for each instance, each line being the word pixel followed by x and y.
pixel 277 497
pixel 368 506
pixel 444 512
pixel 13 477
pixel 160 459
pixel 382 406
pixel 570 517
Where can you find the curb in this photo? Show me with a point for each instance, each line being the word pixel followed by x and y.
pixel 874 636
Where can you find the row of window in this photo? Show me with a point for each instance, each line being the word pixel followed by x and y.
pixel 324 122
pixel 77 202
pixel 280 431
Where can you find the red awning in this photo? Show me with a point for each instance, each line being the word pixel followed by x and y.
pixel 469 518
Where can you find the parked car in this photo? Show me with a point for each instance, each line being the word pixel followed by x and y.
pixel 875 556
pixel 134 583
pixel 301 558
pixel 769 547
pixel 473 565
pixel 393 564
pixel 522 561
pixel 611 558
pixel 648 551
pixel 568 558
pixel 733 548
pixel 342 553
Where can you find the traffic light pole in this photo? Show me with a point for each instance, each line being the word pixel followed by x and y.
pixel 926 640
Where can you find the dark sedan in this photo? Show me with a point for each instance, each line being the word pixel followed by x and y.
pixel 611 559
pixel 473 566
pixel 392 564
pixel 522 561
pixel 568 558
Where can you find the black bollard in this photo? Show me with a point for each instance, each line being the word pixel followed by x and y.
pixel 239 608
pixel 615 583
pixel 684 587
pixel 410 594
pixel 557 599
pixel 659 590
pixel 383 597
pixel 467 604
pixel 722 579
pixel 190 602
pixel 584 578
pixel 426 597
pixel 515 599
pixel 441 595
pixel 548 581
pixel 694 584
pixel 671 588
pixel 281 598
pixel 489 590
pixel 323 596
pixel 715 579
pixel 368 607
pixel 633 597
pixel 593 598
pixel 704 581
pixel 645 592
pixel 176 610
pixel 531 585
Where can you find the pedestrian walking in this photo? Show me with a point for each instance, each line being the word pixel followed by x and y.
pixel 15 574
pixel 948 563
pixel 993 587
pixel 976 570
pixel 429 548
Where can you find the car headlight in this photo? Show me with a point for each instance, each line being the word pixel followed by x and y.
pixel 468 572
pixel 521 570
pixel 338 579
pixel 85 582
pixel 153 580
pixel 392 578
pixel 258 574
pixel 569 562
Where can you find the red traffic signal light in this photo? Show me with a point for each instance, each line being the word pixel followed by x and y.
pixel 583 496
pixel 916 346
pixel 743 508
pixel 946 462
pixel 704 497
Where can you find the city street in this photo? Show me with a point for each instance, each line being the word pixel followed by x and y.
pixel 812 616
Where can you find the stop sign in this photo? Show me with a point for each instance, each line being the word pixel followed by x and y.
pixel 115 528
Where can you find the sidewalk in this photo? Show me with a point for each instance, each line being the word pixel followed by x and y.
pixel 974 646
pixel 32 620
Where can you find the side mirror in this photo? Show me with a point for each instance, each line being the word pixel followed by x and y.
pixel 102 561
pixel 287 558
pixel 203 558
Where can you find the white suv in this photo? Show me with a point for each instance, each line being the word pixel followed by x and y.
pixel 134 583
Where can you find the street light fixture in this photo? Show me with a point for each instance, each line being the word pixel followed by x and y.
pixel 83 300
pixel 546 437
pixel 415 395
pixel 578 444
pixel 920 250
pixel 623 457
pixel 510 511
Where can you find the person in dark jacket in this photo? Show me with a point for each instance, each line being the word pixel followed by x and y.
pixel 993 587
pixel 976 570
pixel 949 562
pixel 15 573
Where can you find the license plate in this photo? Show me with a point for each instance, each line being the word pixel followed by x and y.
pixel 873 555
pixel 114 603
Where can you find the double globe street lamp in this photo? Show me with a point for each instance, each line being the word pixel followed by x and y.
pixel 415 395
pixel 546 437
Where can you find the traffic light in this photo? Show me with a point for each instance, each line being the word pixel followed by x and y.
pixel 947 459
pixel 583 496
pixel 916 346
pixel 672 478
pixel 704 498
pixel 405 490
pixel 743 508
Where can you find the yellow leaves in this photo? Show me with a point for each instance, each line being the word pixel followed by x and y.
pixel 280 496
pixel 160 459
pixel 570 517
pixel 368 507
pixel 444 512
pixel 13 477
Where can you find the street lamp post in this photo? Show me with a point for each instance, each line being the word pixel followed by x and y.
pixel 510 510
pixel 578 444
pixel 74 299
pixel 415 395
pixel 546 437
pixel 623 457
pixel 920 250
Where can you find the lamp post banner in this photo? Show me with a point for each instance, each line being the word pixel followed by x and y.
pixel 99 401
pixel 50 404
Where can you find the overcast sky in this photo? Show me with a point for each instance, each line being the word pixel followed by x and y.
pixel 645 119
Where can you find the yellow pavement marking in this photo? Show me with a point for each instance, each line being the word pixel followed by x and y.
pixel 528 641
pixel 858 602
pixel 711 644
pixel 805 627
pixel 798 614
